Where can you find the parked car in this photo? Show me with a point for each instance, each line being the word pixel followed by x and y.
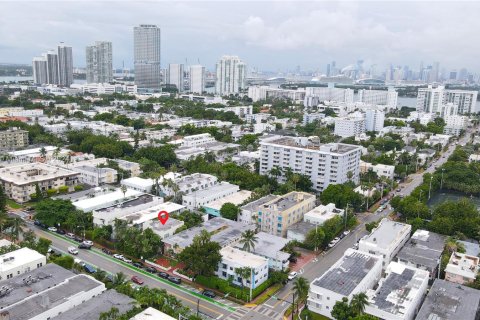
pixel 53 229
pixel 137 264
pixel 37 223
pixel 72 250
pixel 175 280
pixel 105 250
pixel 78 239
pixel 126 260
pixel 61 231
pixel 137 280
pixel 292 259
pixel 70 235
pixel 84 246
pixel 346 232
pixel 208 293
pixel 89 268
pixel 88 243
pixel 163 275
pixel 78 261
pixel 292 275
pixel 151 270
pixel 118 256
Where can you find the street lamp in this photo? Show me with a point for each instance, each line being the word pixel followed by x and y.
pixel 441 182
pixel 430 188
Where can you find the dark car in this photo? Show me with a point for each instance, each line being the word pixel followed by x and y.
pixel 78 239
pixel 137 280
pixel 151 270
pixel 43 226
pixel 292 259
pixel 137 264
pixel 105 250
pixel 208 293
pixel 84 246
pixel 163 275
pixel 176 280
pixel 89 268
pixel 37 223
pixel 61 231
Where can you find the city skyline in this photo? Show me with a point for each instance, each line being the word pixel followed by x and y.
pixel 268 36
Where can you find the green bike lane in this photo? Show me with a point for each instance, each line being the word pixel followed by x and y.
pixel 189 296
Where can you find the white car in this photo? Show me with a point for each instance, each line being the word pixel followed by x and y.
pixel 292 275
pixel 72 250
pixel 78 261
pixel 346 232
pixel 53 229
pixel 118 256
pixel 70 235
pixel 88 243
pixel 126 260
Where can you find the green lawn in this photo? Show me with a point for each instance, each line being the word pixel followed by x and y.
pixel 306 314
pixel 12 204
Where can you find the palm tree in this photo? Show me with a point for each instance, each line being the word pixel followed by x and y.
pixel 123 188
pixel 301 287
pixel 275 172
pixel 119 278
pixel 16 228
pixel 43 152
pixel 295 179
pixel 244 273
pixel 248 240
pixel 111 314
pixel 359 302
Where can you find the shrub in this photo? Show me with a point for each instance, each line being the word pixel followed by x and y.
pixel 225 287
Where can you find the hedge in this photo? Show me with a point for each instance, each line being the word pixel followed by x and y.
pixel 225 287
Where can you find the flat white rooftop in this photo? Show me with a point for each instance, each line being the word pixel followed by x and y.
pixel 104 200
pixel 242 257
pixel 152 314
pixel 18 258
pixel 151 213
pixel 386 233
pixel 33 172
pixel 137 181
pixel 236 198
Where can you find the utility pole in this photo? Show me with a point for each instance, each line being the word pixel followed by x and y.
pixel 430 188
pixel 441 183
pixel 198 306
pixel 293 305
pixel 346 215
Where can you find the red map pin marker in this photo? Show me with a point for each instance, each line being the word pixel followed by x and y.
pixel 163 217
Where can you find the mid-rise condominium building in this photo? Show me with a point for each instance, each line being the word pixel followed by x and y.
pixel 316 95
pixel 231 73
pixel 325 164
pixel 65 65
pixel 146 40
pixel 433 100
pixel 13 138
pixel 19 182
pixel 374 120
pixel 349 127
pixel 175 75
pixel 197 79
pixel 39 65
pixel 379 97
pixel 99 62
pixel 54 67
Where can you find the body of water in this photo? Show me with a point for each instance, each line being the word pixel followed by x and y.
pixel 442 196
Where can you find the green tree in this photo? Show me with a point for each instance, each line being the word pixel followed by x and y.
pixel 342 311
pixel 315 238
pixel 300 288
pixel 3 200
pixel 65 261
pixel 248 240
pixel 359 302
pixel 202 256
pixel 111 314
pixel 229 211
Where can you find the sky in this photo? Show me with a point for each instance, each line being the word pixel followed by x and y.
pixel 269 35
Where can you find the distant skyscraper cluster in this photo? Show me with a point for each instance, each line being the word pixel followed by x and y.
pixel 146 39
pixel 99 62
pixel 54 67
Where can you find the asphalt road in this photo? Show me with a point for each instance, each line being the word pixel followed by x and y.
pixel 210 308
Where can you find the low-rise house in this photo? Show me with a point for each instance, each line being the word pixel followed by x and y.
pixel 237 198
pixel 21 181
pixel 365 192
pixel 382 170
pixel 130 166
pixel 462 268
pixel 138 184
pixel 423 250
pixel 441 139
pixel 152 314
pixel 103 198
pixel 447 300
pixel 322 213
pixel 355 272
pixel 474 158
pixel 187 184
pixel 165 230
pixel 399 293
pixel 233 259
pixel 19 262
pixel 143 218
pixel 270 247
pixel 299 231
pixel 223 231
pixel 197 199
pixel 386 240
pixel 95 176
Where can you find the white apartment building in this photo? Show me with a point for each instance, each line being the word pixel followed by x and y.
pixel 105 88
pixel 315 95
pixel 158 134
pixel 399 294
pixel 433 99
pixel 197 140
pixel 455 124
pixel 240 111
pixel 199 198
pixel 311 117
pixel 197 79
pixel 423 117
pixel 99 62
pixel 382 170
pixel 152 314
pixel 386 240
pixel 374 120
pixel 175 76
pixel 349 127
pixel 19 182
pixel 233 258
pixel 231 73
pixel 319 215
pixel 323 163
pixel 13 138
pixel 258 93
pixel 387 98
pixel 355 272
pixel 188 184
pixel 462 268
pixel 138 184
pixel 95 176
pixel 130 166
pixel 20 261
